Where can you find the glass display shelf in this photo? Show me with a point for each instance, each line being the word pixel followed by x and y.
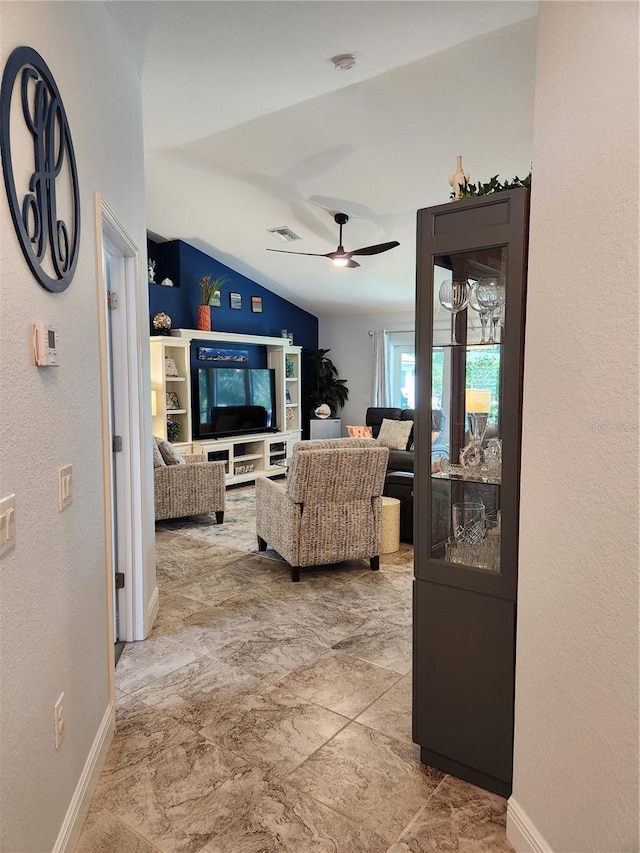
pixel 473 475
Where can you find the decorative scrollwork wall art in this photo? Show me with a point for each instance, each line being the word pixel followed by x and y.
pixel 39 166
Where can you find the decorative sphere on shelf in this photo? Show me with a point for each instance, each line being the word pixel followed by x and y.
pixel 162 323
pixel 323 411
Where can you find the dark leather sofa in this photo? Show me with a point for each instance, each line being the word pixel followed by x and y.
pixel 399 460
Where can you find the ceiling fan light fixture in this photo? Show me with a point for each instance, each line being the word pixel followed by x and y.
pixel 344 61
pixel 340 261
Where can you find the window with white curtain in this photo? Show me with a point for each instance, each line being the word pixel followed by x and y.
pixel 401 351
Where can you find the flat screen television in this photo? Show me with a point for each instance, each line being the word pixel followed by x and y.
pixel 234 401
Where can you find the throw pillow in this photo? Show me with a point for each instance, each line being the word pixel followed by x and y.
pixel 360 432
pixel 158 461
pixel 170 455
pixel 395 434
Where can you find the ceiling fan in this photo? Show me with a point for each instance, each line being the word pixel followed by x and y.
pixel 340 257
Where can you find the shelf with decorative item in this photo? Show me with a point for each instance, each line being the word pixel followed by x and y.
pixel 170 392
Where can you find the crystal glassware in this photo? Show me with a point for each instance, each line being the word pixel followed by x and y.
pixel 482 311
pixel 468 520
pixel 454 296
pixel 490 293
pixel 477 425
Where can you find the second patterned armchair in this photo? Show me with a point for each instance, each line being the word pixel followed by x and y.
pixel 329 508
pixel 192 489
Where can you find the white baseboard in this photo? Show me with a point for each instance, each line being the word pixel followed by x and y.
pixel 522 833
pixel 152 609
pixel 76 813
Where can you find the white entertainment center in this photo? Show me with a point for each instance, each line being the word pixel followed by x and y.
pixel 246 457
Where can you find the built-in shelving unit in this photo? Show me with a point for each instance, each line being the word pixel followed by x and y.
pixel 246 457
pixel 166 388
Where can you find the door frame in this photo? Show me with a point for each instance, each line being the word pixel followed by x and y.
pixel 129 407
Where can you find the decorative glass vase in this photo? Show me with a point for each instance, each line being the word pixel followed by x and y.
pixel 468 522
pixel 203 318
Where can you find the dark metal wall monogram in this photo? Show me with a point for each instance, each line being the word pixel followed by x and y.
pixel 49 243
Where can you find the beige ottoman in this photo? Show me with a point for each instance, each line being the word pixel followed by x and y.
pixel 390 525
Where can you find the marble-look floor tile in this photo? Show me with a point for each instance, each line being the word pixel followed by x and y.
pixel 362 599
pixel 174 610
pixel 387 645
pixel 200 693
pixel 142 733
pixel 400 560
pixel 106 833
pixel 179 560
pixel 400 582
pixel 187 796
pixel 141 663
pixel 262 568
pixel 315 582
pixel 218 584
pixel 326 626
pixel 461 817
pixel 391 713
pixel 340 682
pixel 373 779
pixel 275 729
pixel 286 820
pixel 270 653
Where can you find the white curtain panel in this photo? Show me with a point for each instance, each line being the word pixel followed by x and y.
pixel 380 373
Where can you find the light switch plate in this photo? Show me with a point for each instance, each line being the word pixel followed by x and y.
pixel 65 480
pixel 7 523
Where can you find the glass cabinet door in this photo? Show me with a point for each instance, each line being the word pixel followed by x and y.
pixel 470 293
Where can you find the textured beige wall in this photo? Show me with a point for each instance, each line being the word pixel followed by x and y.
pixel 576 736
pixel 53 620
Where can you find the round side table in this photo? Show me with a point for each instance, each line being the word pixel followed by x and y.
pixel 390 525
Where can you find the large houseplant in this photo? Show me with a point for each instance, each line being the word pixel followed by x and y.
pixel 321 383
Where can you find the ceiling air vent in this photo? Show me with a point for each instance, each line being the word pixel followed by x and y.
pixel 284 233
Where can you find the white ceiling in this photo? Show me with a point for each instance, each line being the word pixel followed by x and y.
pixel 249 126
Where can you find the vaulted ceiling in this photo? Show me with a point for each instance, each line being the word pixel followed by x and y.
pixel 248 126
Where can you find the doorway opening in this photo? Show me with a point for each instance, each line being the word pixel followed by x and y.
pixel 122 429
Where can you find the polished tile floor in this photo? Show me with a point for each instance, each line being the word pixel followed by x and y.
pixel 263 715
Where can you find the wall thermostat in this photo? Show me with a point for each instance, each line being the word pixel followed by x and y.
pixel 45 345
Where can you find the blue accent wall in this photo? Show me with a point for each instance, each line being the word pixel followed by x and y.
pixel 185 265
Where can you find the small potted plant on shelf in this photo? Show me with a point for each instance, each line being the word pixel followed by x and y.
pixel 173 430
pixel 209 295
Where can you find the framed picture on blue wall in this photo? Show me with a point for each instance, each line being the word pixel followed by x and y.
pixel 256 304
pixel 235 301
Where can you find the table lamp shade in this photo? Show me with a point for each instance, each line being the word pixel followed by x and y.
pixel 478 400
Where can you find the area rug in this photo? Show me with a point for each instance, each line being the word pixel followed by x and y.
pixel 238 531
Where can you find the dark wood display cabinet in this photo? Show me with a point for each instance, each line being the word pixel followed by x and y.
pixel 471 285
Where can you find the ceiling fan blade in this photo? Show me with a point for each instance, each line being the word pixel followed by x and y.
pixel 375 250
pixel 351 264
pixel 310 254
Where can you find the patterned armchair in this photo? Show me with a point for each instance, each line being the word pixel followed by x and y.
pixel 329 508
pixel 192 489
